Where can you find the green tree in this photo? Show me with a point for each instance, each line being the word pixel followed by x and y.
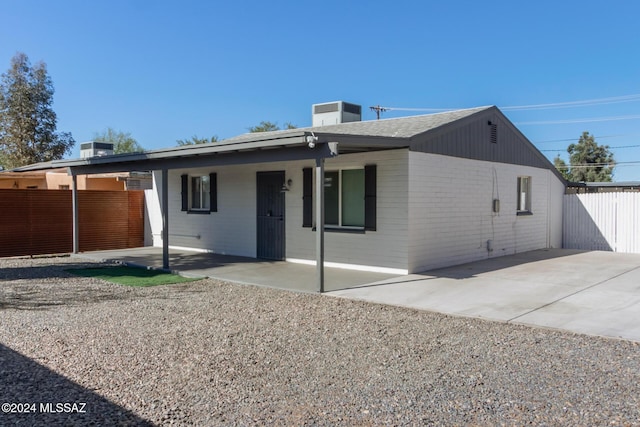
pixel 27 120
pixel 266 126
pixel 590 162
pixel 562 167
pixel 195 140
pixel 122 142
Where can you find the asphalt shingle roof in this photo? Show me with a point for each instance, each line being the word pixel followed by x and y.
pixel 403 127
pixel 395 131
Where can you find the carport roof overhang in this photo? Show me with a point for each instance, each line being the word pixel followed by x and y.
pixel 260 148
pixel 250 149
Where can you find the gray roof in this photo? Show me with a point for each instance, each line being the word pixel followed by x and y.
pixel 403 127
pixel 367 135
pixel 470 133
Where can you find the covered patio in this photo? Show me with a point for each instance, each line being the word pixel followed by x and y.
pixel 252 271
pixel 280 147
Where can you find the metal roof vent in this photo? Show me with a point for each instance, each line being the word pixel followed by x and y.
pixel 332 113
pixel 95 149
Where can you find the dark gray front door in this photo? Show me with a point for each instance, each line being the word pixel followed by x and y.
pixel 270 215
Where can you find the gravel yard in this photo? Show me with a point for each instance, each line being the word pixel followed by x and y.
pixel 215 353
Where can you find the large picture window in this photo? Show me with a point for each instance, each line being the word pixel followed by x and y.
pixel 349 197
pixel 524 195
pixel 344 198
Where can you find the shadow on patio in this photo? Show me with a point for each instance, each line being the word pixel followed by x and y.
pixel 274 274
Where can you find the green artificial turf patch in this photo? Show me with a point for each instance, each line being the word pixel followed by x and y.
pixel 130 276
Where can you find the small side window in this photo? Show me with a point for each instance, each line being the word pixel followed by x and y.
pixel 524 195
pixel 199 193
pixel 200 200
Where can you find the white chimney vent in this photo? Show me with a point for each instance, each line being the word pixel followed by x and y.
pixel 333 113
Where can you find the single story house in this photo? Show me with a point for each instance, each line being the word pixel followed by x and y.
pixel 398 195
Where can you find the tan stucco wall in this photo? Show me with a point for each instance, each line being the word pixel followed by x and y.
pixel 55 180
pixel 23 183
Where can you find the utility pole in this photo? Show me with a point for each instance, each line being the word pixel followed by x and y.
pixel 378 109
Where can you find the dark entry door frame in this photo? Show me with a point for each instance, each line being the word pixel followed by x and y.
pixel 270 215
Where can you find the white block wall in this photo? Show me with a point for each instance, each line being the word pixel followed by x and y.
pixel 450 210
pixel 232 230
pixel 432 211
pixel 387 246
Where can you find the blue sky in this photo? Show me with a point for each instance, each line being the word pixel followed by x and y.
pixel 170 70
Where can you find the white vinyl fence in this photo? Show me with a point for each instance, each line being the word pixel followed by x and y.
pixel 602 221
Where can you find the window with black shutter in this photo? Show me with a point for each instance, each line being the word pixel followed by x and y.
pixel 349 198
pixel 199 193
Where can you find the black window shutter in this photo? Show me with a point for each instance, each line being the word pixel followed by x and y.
pixel 307 197
pixel 370 197
pixel 185 192
pixel 213 192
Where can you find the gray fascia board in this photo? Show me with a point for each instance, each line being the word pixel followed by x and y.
pixel 263 136
pixel 369 142
pixel 210 159
pixel 179 152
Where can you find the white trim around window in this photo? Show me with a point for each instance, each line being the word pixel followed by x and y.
pixel 200 193
pixel 523 206
pixel 345 198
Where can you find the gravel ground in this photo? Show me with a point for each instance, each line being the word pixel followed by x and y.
pixel 215 353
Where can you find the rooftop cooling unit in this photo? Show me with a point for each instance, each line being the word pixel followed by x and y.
pixel 332 113
pixel 95 149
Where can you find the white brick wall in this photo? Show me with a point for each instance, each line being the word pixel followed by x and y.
pixel 441 216
pixel 450 210
pixel 387 246
pixel 232 230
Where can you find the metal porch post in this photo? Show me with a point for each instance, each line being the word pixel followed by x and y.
pixel 320 223
pixel 164 206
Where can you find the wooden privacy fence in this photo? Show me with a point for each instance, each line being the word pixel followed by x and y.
pixel 602 221
pixel 35 222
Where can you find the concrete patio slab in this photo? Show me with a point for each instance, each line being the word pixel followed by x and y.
pixel 275 274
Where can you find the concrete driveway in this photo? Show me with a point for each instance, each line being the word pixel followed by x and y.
pixel 596 293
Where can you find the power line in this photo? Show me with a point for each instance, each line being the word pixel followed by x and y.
pixel 585 103
pixel 596 137
pixel 585 120
pixel 616 164
pixel 547 106
pixel 378 109
pixel 618 147
pixel 420 109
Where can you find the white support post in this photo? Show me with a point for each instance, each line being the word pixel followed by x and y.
pixel 320 223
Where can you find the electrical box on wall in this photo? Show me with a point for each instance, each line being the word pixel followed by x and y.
pixel 496 205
